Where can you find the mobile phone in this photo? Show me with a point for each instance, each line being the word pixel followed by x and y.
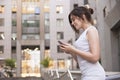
pixel 60 42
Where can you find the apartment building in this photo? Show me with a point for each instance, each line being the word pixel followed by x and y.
pixel 30 30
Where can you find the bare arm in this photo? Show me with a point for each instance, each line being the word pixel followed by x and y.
pixel 93 55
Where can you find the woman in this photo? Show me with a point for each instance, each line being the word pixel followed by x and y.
pixel 86 49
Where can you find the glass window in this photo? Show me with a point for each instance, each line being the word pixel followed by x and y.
pixel 59 50
pixel 59 22
pixel 1 49
pixel 30 36
pixel 14 20
pixel 30 20
pixel 47 22
pixel 59 9
pixel 85 2
pixel 61 63
pixel 30 7
pixel 47 36
pixel 2 36
pixel 47 15
pixel 13 49
pixel 14 36
pixel 14 6
pixel 1 8
pixel 60 35
pixel 1 22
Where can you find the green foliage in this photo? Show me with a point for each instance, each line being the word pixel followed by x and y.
pixel 10 63
pixel 46 61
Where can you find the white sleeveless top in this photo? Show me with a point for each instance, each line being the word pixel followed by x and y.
pixel 87 68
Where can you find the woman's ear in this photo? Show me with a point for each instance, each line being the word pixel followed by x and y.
pixel 84 18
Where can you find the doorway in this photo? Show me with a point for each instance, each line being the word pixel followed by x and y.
pixel 30 63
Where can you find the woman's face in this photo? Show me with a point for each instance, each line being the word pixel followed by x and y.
pixel 76 22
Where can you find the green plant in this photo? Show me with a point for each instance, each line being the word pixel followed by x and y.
pixel 10 65
pixel 46 61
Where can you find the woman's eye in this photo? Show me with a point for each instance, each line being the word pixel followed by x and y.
pixel 73 20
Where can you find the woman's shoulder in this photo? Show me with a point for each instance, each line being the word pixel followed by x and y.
pixel 92 28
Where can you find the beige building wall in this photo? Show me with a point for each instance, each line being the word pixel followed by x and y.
pixel 66 29
pixel 6 29
pixel 107 17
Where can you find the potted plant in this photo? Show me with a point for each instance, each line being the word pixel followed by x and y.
pixel 45 62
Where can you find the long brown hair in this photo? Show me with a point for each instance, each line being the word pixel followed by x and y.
pixel 79 12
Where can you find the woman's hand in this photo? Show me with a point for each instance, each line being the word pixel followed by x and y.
pixel 67 48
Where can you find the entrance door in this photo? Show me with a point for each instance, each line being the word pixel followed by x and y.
pixel 30 62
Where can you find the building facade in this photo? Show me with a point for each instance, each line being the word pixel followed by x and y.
pixel 5 29
pixel 30 30
pixel 108 18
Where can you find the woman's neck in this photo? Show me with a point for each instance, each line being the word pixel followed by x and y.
pixel 85 26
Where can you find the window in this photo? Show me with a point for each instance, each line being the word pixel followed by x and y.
pixel 59 9
pixel 59 22
pixel 1 49
pixel 14 36
pixel 47 36
pixel 13 50
pixel 14 19
pixel 59 50
pixel 30 36
pixel 61 63
pixel 2 36
pixel 104 11
pixel 60 35
pixel 1 8
pixel 30 20
pixel 1 22
pixel 85 2
pixel 47 22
